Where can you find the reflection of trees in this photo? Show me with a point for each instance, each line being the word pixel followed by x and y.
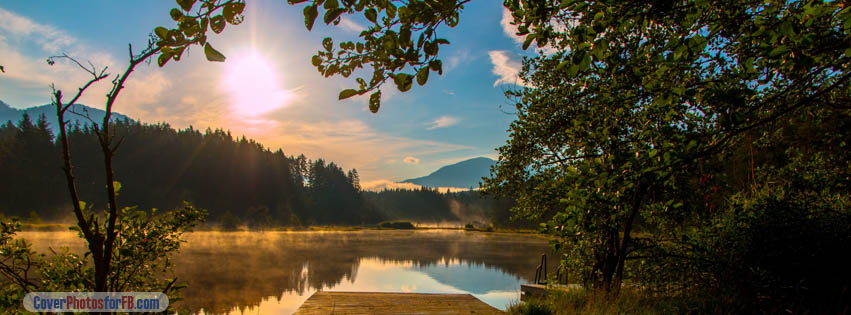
pixel 227 270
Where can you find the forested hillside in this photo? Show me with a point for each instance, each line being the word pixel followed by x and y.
pixel 237 180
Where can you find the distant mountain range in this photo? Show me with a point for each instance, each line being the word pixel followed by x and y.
pixel 464 174
pixel 9 113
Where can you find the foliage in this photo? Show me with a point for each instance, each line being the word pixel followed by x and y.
pixel 401 44
pixel 533 307
pixel 112 235
pixel 396 225
pixel 192 27
pixel 613 135
pixel 141 261
pixel 583 301
pixel 628 119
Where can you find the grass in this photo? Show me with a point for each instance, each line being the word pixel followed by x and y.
pixel 581 301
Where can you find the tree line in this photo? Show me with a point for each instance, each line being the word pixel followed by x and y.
pixel 237 180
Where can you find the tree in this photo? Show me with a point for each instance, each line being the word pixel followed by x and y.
pixel 634 108
pixel 121 242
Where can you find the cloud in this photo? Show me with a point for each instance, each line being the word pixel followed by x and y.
pixel 411 160
pixel 349 143
pixel 350 25
pixel 24 46
pixel 510 30
pixel 443 121
pixel 461 57
pixel 48 37
pixel 506 68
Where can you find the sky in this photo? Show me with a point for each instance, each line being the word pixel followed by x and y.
pixel 267 88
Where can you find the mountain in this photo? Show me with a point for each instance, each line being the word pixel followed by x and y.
pixel 464 174
pixel 8 113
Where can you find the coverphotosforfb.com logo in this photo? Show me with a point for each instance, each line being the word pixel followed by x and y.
pixel 95 302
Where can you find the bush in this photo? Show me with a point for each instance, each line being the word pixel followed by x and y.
pixel 532 307
pixel 397 225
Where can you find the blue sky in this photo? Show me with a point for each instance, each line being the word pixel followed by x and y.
pixel 458 115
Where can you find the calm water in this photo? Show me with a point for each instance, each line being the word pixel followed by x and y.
pixel 274 272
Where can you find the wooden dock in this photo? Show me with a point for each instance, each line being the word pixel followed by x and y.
pixel 324 302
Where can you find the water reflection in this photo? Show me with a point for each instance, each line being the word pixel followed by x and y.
pixel 274 272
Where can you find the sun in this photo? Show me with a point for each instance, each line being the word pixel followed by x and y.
pixel 253 85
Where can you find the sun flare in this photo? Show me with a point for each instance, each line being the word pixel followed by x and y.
pixel 254 86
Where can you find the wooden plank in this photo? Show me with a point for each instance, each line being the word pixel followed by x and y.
pixel 324 302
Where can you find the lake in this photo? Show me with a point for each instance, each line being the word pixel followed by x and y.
pixel 275 272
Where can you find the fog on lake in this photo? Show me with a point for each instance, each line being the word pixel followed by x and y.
pixel 275 272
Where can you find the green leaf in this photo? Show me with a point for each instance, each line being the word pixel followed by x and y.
pixel 310 14
pixel 430 48
pixel 777 51
pixel 82 205
pixel 331 4
pixel 422 76
pixel 328 43
pixel 375 102
pixel 347 93
pixel 332 15
pixel 371 15
pixel 390 10
pixel 117 185
pixel 316 60
pixel 186 5
pixel 161 32
pixel 162 59
pixel 436 65
pixel 213 54
pixel 175 14
pixel 528 41
pixel 232 12
pixel 217 23
pixel 403 81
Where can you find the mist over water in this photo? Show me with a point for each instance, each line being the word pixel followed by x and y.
pixel 274 272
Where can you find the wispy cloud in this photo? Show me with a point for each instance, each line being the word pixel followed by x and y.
pixel 350 25
pixel 443 122
pixel 48 37
pixel 350 143
pixel 25 44
pixel 462 57
pixel 507 69
pixel 411 160
pixel 510 30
